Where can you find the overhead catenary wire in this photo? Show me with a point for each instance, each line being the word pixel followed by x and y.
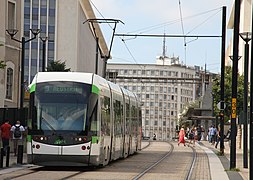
pixel 123 36
pixel 172 22
pixel 119 37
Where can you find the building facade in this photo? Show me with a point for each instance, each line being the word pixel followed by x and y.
pixel 164 88
pixel 69 40
pixel 245 26
pixel 10 53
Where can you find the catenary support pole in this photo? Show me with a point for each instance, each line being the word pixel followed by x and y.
pixel 245 107
pixel 22 64
pixel 251 106
pixel 234 84
pixel 223 47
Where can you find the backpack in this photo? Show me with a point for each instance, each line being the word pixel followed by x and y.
pixel 17 132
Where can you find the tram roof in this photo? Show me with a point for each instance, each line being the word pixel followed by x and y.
pixel 63 76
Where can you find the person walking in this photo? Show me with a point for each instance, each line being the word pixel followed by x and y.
pixel 218 138
pixel 199 131
pixel 191 137
pixel 5 135
pixel 213 132
pixel 17 135
pixel 181 136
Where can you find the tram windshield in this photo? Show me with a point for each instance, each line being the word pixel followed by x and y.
pixel 61 106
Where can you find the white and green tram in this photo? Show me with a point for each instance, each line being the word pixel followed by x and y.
pixel 80 119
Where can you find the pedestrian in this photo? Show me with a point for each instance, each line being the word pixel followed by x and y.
pixel 228 137
pixel 213 132
pixel 218 138
pixel 181 136
pixel 154 137
pixel 202 133
pixel 191 137
pixel 17 135
pixel 199 130
pixel 209 134
pixel 5 135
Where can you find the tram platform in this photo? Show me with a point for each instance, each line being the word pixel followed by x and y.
pixel 218 166
pixel 242 173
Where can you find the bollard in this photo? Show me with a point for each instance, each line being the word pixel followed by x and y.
pixel 20 154
pixel 2 158
pixel 8 156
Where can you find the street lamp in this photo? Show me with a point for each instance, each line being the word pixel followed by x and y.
pixel 12 33
pixel 43 39
pixel 246 36
pixel 231 57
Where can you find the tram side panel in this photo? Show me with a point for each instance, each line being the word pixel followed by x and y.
pixel 117 127
pixel 104 120
pixel 131 123
pixel 125 125
pixel 140 128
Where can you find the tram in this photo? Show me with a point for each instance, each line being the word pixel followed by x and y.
pixel 80 119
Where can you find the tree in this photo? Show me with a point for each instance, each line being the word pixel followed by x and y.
pixel 57 66
pixel 228 93
pixel 2 65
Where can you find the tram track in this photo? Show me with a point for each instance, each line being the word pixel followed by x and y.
pixel 188 174
pixel 155 164
pixel 157 160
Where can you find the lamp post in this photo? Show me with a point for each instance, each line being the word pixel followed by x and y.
pixel 12 33
pixel 246 36
pixel 43 39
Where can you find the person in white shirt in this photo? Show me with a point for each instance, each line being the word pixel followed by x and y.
pixel 17 132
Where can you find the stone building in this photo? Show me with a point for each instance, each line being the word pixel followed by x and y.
pixel 164 88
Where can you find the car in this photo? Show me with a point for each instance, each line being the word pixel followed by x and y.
pixel 145 137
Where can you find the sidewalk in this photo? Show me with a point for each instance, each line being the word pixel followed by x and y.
pixel 225 160
pixel 13 166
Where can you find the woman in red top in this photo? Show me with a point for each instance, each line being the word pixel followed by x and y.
pixel 5 130
pixel 181 136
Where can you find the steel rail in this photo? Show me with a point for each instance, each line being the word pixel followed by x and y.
pixel 189 174
pixel 155 164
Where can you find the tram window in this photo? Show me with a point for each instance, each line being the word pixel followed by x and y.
pixel 117 117
pixel 105 115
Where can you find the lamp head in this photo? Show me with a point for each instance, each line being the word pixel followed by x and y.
pixel 246 36
pixel 43 38
pixel 35 31
pixel 12 32
pixel 231 57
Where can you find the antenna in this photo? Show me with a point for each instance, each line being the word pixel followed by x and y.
pixel 164 48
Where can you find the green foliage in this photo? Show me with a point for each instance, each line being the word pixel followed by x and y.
pixel 2 65
pixel 228 93
pixel 57 66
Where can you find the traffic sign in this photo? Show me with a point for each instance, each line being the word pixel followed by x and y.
pixel 219 106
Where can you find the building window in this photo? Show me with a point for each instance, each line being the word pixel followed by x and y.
pixel 11 15
pixel 9 83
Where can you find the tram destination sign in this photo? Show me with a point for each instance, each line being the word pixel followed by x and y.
pixel 60 89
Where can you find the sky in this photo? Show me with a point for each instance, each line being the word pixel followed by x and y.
pixel 172 17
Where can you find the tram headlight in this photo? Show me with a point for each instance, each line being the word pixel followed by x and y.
pixel 41 138
pixel 79 139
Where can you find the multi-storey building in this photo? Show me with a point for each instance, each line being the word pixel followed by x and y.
pixel 69 39
pixel 164 89
pixel 10 52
